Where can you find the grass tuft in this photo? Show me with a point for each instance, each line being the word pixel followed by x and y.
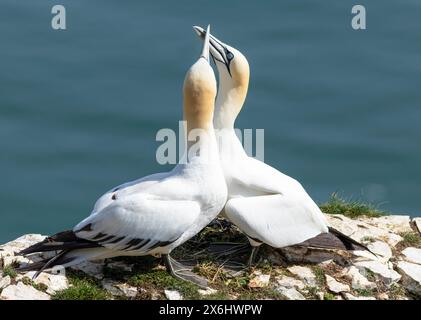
pixel 82 288
pixel 351 208
pixel 9 271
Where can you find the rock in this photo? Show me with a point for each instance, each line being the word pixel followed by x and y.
pixel 259 281
pixel 5 281
pixel 11 260
pixel 289 282
pixel 22 242
pixel 349 296
pixel 92 268
pixel 412 255
pixel 23 292
pixel 336 286
pixel 358 281
pixel 359 229
pixel 173 295
pixel 120 265
pixel 305 274
pixel 206 292
pixel 386 274
pixel 380 248
pixel 119 289
pixel 383 296
pixel 417 224
pixel 320 295
pixel 290 293
pixel 394 223
pixel 411 276
pixel 53 282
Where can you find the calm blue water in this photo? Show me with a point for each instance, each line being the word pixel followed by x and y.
pixel 79 109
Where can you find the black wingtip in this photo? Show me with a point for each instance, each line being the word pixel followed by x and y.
pixel 348 242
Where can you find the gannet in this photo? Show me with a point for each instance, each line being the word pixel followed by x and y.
pixel 157 213
pixel 265 204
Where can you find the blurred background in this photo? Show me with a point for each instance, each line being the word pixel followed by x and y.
pixel 79 109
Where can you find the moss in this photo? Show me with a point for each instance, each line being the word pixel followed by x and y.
pixel 320 276
pixel 82 288
pixel 396 291
pixel 328 296
pixel 410 239
pixel 365 292
pixel 38 286
pixel 9 271
pixel 311 293
pixel 160 280
pixel 350 208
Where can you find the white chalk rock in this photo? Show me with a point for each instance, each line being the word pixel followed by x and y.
pixel 22 292
pixel 386 274
pixel 206 292
pixel 119 289
pixel 412 255
pixel 359 229
pixel 173 295
pixel 381 249
pixel 22 242
pixel 289 282
pixel 5 281
pixel 290 293
pixel 358 281
pixel 349 296
pixel 336 286
pixel 53 282
pixel 259 281
pixel 411 276
pixel 394 223
pixel 305 274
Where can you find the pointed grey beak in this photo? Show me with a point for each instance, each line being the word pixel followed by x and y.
pixel 218 49
pixel 205 50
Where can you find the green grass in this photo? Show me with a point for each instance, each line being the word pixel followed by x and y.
pixel 38 286
pixel 410 239
pixel 351 208
pixel 82 288
pixel 159 280
pixel 320 276
pixel 328 296
pixel 365 292
pixel 9 271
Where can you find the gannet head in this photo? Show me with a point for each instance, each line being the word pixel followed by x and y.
pixel 200 91
pixel 234 74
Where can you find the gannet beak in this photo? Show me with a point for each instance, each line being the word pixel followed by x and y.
pixel 205 50
pixel 218 49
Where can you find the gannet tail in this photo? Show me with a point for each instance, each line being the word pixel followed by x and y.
pixel 70 250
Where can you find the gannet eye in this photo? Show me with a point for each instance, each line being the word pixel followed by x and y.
pixel 230 56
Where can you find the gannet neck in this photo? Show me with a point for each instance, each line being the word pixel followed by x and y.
pixel 232 90
pixel 199 96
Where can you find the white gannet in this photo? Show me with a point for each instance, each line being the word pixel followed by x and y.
pixel 265 204
pixel 157 213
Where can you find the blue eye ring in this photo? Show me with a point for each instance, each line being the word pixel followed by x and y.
pixel 230 55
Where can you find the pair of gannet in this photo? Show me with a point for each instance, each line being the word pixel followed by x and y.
pixel 155 214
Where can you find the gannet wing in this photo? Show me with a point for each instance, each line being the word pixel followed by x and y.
pixel 139 224
pixel 276 219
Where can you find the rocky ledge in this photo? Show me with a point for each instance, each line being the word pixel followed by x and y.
pixel 294 273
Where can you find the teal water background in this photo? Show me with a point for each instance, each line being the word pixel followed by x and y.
pixel 79 109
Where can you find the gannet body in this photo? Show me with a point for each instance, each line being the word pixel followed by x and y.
pixel 267 205
pixel 155 214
